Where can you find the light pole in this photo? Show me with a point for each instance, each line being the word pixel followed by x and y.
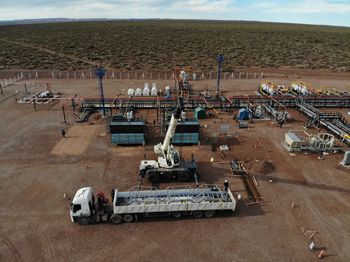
pixel 219 60
pixel 100 73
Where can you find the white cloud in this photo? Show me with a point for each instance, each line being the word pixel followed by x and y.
pixel 206 6
pixel 336 12
pixel 20 9
pixel 305 7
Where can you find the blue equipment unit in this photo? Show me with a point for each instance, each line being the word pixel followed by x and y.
pixel 243 114
pixel 125 132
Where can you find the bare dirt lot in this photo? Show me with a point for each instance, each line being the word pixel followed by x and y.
pixel 34 216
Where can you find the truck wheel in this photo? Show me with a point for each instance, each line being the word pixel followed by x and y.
pixel 197 214
pixel 209 213
pixel 176 214
pixel 128 218
pixel 83 220
pixel 183 176
pixel 116 219
pixel 153 177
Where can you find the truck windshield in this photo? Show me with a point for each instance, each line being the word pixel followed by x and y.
pixel 76 208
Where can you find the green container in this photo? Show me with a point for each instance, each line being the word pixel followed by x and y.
pixel 199 113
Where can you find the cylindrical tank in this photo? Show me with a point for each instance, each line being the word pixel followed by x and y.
pixel 154 91
pixel 268 88
pixel 131 92
pixel 138 92
pixel 167 91
pixel 129 115
pixel 258 112
pixel 300 88
pixel 146 91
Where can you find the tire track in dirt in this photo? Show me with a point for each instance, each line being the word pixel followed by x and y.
pixel 12 248
pixel 46 50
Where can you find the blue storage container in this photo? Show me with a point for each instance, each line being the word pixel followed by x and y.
pixel 243 114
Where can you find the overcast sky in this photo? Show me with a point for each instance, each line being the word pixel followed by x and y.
pixel 330 12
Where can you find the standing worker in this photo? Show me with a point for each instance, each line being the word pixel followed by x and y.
pixel 63 132
pixel 112 194
pixel 226 185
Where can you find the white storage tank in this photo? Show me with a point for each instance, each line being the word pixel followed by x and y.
pixel 145 90
pixel 154 91
pixel 138 92
pixel 129 115
pixel 131 92
pixel 167 90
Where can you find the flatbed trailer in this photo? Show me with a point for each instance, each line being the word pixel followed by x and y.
pixel 139 202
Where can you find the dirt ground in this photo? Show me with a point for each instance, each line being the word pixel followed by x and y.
pixel 34 215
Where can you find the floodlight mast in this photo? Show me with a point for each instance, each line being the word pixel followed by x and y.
pixel 100 73
pixel 219 60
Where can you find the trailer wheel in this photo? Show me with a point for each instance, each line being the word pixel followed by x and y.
pixel 198 214
pixel 116 219
pixel 128 218
pixel 83 220
pixel 176 214
pixel 209 213
pixel 153 177
pixel 183 176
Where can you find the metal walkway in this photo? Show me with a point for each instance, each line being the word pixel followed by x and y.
pixel 329 101
pixel 334 122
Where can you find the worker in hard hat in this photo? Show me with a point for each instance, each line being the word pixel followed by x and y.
pixel 226 185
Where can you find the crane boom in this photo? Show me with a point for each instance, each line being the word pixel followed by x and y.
pixel 172 126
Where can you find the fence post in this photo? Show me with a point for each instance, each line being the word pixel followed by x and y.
pixel 67 75
pixel 36 75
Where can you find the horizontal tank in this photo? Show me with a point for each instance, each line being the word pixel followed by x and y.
pixel 300 88
pixel 268 88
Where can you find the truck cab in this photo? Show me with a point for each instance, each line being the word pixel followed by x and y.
pixel 82 205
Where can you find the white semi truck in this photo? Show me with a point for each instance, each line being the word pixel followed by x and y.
pixel 136 203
